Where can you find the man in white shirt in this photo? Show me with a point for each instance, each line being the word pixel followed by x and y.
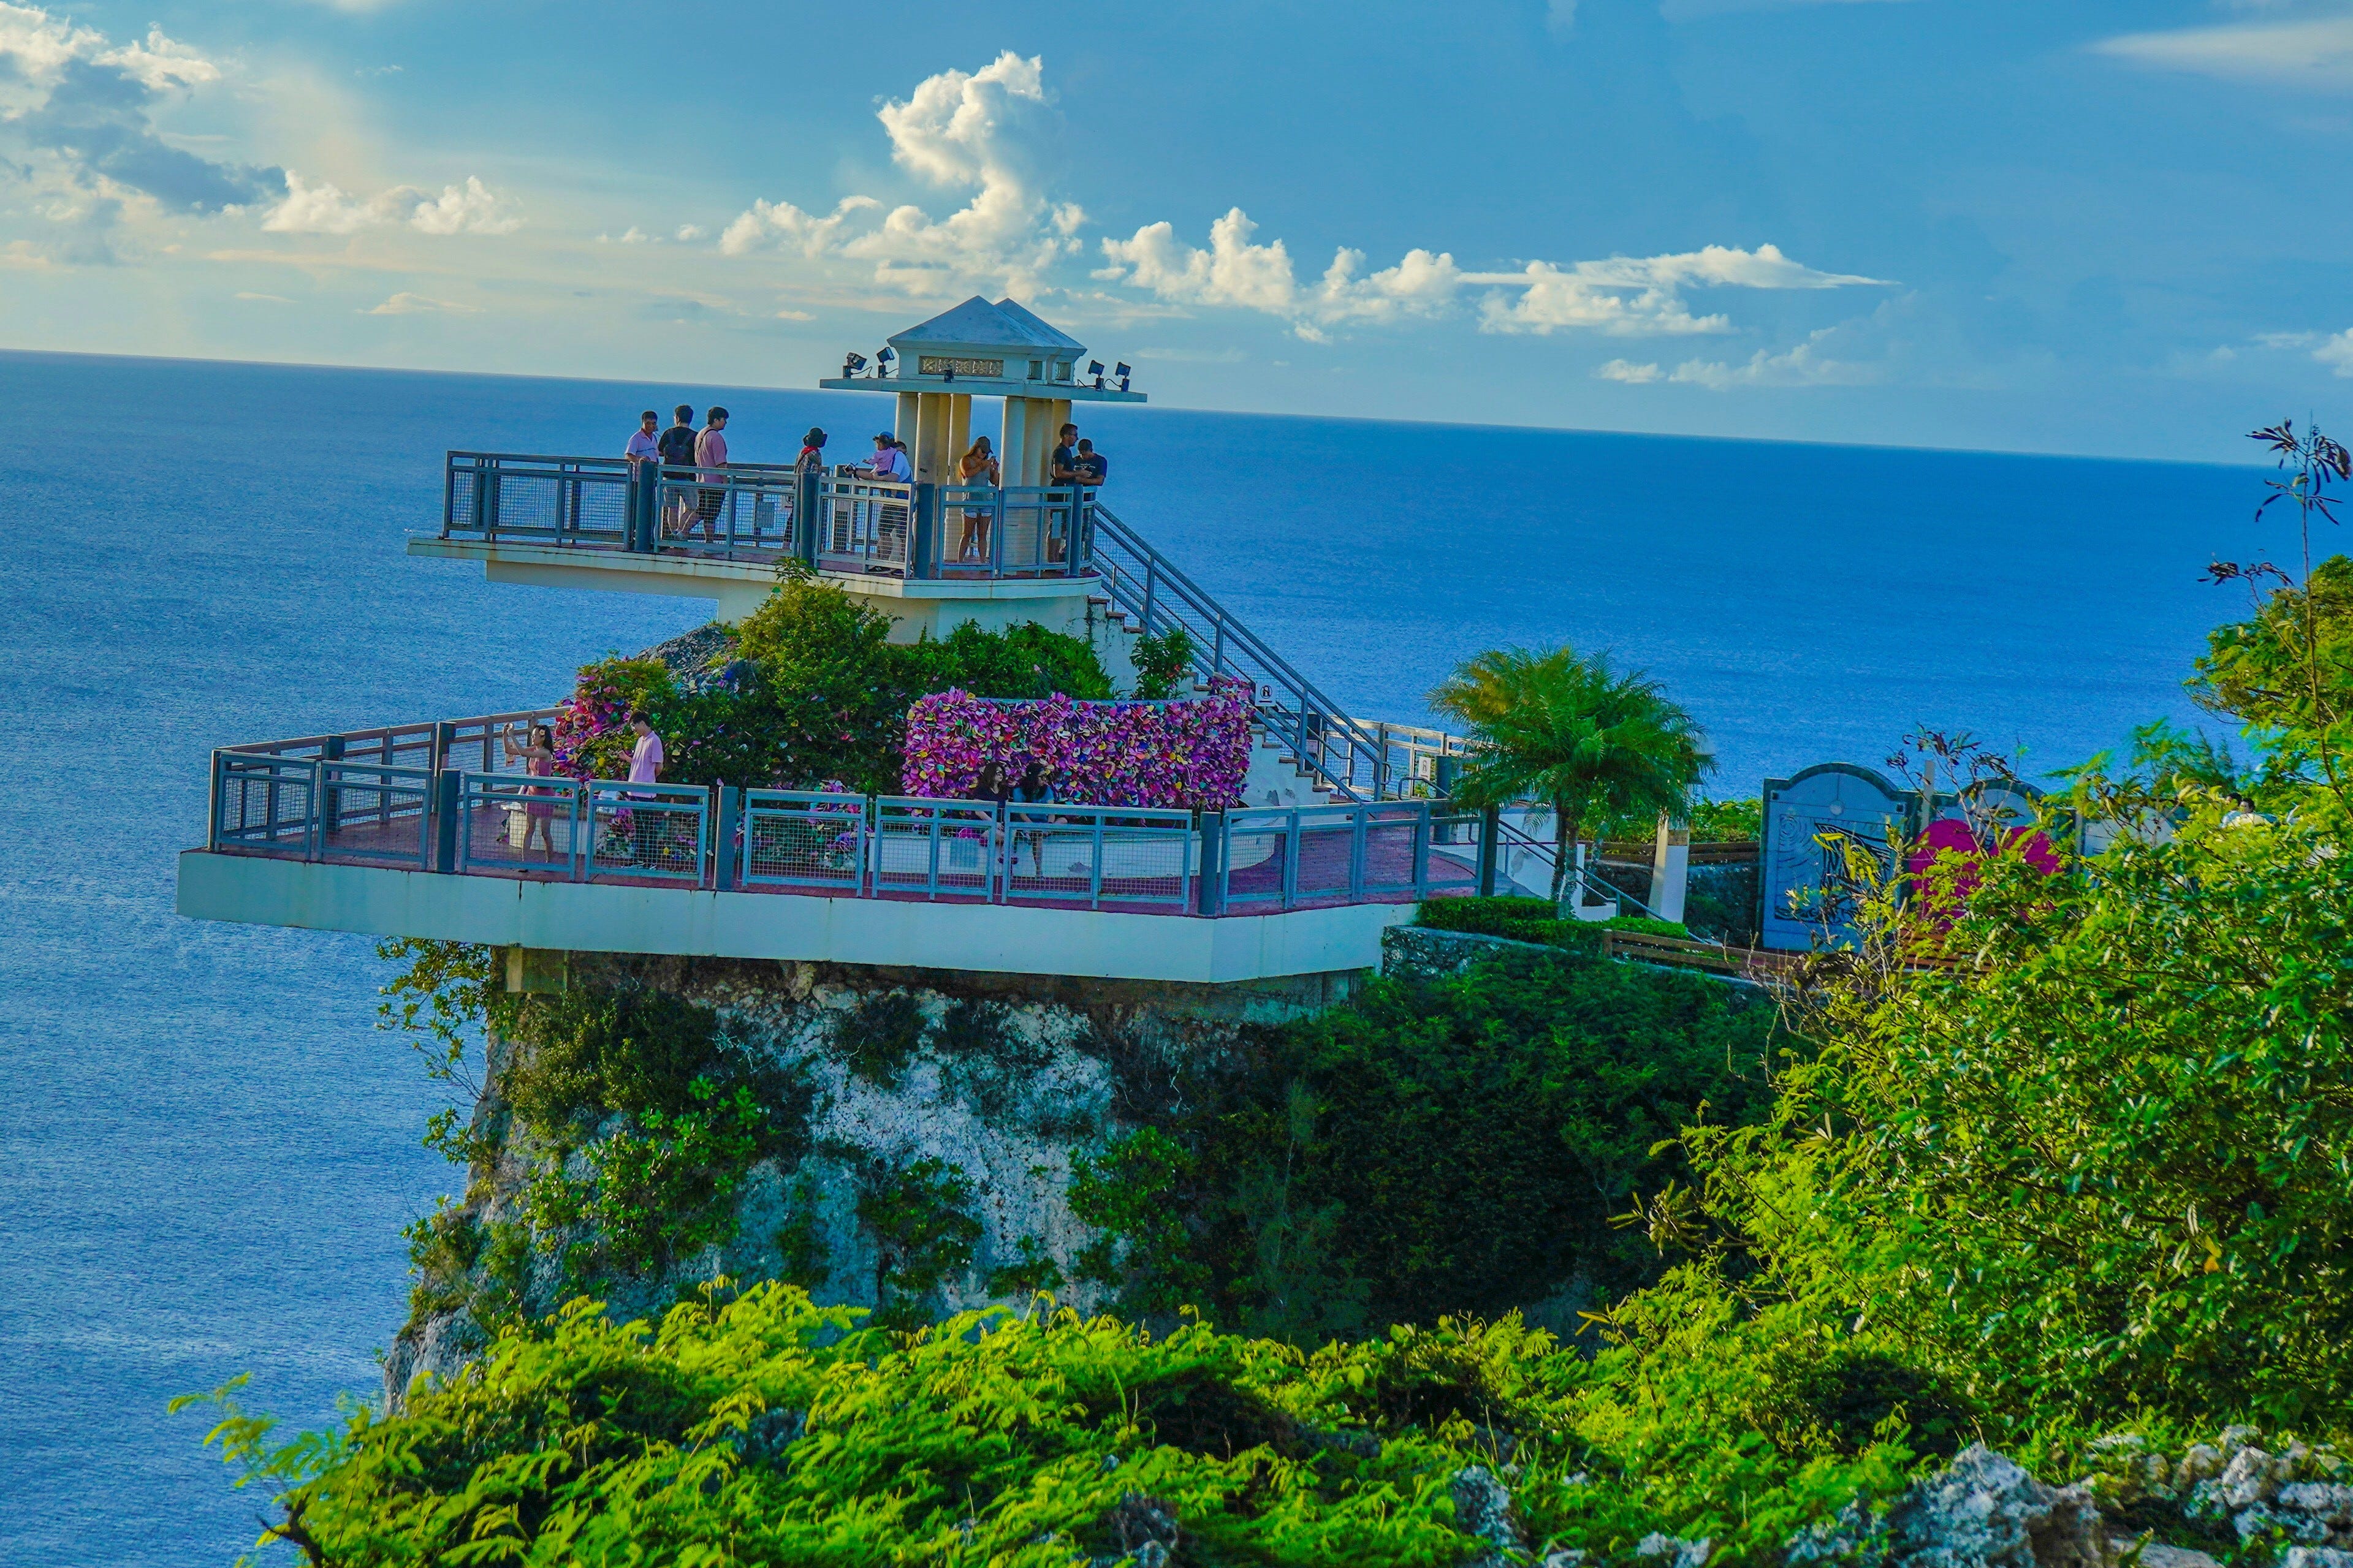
pixel 644 446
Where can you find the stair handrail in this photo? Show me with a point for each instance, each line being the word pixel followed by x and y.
pixel 1212 661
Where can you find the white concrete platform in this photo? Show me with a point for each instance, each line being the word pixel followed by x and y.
pixel 589 917
pixel 739 587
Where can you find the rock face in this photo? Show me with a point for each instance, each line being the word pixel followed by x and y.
pixel 999 1079
pixel 1986 1512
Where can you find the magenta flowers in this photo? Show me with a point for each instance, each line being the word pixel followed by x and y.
pixel 1175 754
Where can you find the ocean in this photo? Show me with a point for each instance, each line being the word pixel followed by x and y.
pixel 210 1149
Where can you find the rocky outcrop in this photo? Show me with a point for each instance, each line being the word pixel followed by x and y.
pixel 981 1083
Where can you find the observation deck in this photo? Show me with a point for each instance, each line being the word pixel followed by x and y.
pixel 412 831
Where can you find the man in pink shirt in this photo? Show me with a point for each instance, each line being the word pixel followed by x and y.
pixel 646 756
pixel 710 452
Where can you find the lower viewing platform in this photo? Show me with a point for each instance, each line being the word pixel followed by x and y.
pixel 389 832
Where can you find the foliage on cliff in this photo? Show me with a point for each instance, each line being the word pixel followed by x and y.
pixel 765 1430
pixel 1454 1146
pixel 826 699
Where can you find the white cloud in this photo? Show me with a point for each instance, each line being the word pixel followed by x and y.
pixel 1804 365
pixel 688 233
pixel 324 208
pixel 269 298
pixel 78 139
pixel 1623 296
pixel 468 209
pixel 406 304
pixel 2336 353
pixel 983 131
pixel 1632 374
pixel 2314 53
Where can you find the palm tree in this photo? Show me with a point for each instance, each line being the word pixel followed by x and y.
pixel 1590 742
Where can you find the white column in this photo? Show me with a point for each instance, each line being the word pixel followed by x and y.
pixel 1013 441
pixel 1670 868
pixel 908 425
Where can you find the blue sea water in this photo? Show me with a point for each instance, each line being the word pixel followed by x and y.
pixel 208 1150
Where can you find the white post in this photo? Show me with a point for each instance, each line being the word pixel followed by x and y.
pixel 1671 868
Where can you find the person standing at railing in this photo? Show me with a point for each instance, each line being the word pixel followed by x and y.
pixel 645 768
pixel 710 454
pixel 1036 790
pixel 678 465
pixel 891 466
pixel 1063 468
pixel 977 467
pixel 1092 466
pixel 812 457
pixel 538 757
pixel 645 445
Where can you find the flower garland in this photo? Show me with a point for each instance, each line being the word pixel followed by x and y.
pixel 1190 754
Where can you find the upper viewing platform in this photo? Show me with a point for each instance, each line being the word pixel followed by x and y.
pixel 945 519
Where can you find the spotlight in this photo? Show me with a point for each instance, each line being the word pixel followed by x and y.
pixel 1123 372
pixel 882 358
pixel 1094 368
pixel 852 364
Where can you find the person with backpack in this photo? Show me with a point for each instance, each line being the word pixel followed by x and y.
pixel 677 446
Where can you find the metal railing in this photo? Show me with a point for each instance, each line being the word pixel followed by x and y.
pixel 754 512
pixel 303 804
pixel 1371 852
pixel 1356 759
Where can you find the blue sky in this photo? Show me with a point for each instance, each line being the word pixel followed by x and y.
pixel 2091 228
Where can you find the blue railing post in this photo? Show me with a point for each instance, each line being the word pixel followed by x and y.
pixel 329 797
pixel 482 496
pixel 923 538
pixel 449 785
pixel 445 735
pixel 805 516
pixel 1210 891
pixel 725 861
pixel 448 493
pixel 1421 851
pixel 1491 836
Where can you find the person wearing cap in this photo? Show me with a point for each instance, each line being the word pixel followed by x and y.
pixel 812 457
pixel 891 460
pixel 711 453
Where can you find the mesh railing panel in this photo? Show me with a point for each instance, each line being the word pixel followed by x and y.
pixel 557 499
pixel 267 804
pixel 864 525
pixel 514 823
pixel 936 848
pixel 373 816
pixel 804 838
pixel 1057 854
pixel 725 512
pixel 647 832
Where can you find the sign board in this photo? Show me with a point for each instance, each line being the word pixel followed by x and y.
pixel 1814 822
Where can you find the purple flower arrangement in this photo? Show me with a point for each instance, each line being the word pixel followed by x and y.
pixel 1190 754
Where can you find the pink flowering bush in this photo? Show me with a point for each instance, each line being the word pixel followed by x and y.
pixel 1178 755
pixel 593 738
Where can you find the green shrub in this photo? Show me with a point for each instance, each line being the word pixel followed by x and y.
pixel 766 1431
pixel 1516 919
pixel 1449 1147
pixel 920 1217
pixel 1728 821
pixel 1164 663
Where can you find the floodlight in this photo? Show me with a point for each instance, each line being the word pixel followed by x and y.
pixel 1123 372
pixel 882 358
pixel 852 364
pixel 1094 368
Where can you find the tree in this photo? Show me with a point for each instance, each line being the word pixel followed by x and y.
pixel 1589 742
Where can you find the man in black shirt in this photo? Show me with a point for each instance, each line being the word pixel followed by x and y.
pixel 1093 467
pixel 1065 470
pixel 678 465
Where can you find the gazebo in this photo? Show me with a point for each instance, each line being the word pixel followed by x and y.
pixel 978 349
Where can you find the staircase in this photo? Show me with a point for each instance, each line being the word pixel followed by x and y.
pixel 1335 757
